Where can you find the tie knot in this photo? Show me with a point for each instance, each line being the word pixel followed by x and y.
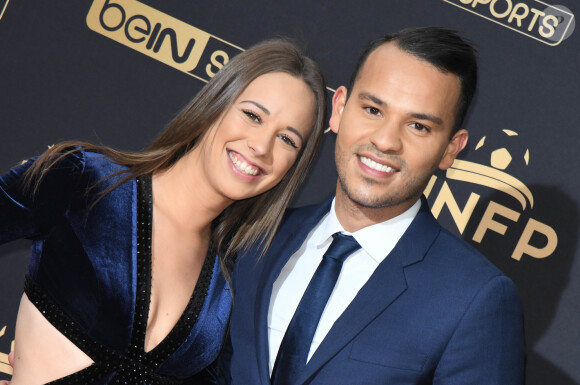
pixel 341 247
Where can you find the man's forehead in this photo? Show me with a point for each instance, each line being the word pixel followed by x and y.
pixel 389 57
pixel 390 60
pixel 393 77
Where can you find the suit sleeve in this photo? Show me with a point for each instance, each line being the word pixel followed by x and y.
pixel 27 215
pixel 487 347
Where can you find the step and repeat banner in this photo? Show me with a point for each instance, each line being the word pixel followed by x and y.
pixel 114 72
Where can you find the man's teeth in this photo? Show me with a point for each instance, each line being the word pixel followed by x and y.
pixel 243 166
pixel 376 166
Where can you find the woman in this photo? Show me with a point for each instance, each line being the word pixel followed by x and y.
pixel 122 240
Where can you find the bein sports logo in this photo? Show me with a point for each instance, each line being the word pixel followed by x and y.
pixel 549 24
pixel 161 37
pixel 502 152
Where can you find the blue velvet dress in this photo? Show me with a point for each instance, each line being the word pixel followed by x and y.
pixel 90 273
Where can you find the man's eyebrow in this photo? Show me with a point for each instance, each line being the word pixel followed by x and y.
pixel 261 107
pixel 371 97
pixel 431 118
pixel 416 115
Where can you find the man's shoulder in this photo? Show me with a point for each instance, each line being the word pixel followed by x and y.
pixel 460 248
pixel 444 255
pixel 459 261
pixel 453 274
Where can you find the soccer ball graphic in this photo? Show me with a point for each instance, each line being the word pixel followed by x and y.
pixel 502 157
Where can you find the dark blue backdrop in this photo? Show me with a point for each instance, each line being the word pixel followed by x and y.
pixel 64 76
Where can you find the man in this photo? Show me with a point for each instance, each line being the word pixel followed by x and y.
pixel 413 305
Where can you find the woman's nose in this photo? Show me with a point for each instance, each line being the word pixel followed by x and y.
pixel 261 143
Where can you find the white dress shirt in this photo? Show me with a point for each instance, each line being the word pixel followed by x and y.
pixel 376 242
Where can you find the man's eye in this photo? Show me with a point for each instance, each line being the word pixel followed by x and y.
pixel 373 111
pixel 252 116
pixel 288 140
pixel 420 127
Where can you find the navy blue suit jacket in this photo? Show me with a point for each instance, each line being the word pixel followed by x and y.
pixel 435 311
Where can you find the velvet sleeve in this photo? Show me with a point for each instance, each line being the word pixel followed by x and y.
pixel 27 215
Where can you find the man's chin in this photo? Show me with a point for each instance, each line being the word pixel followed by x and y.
pixel 370 201
pixel 366 200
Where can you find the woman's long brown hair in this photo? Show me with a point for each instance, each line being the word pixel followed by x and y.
pixel 246 222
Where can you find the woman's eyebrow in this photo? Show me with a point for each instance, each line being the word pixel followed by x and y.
pixel 267 112
pixel 261 107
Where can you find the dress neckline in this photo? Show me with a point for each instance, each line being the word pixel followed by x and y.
pixel 188 318
pixel 133 365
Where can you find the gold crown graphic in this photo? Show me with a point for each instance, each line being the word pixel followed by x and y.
pixel 494 176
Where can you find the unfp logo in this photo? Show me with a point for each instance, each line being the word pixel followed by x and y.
pixel 500 152
pixel 4 364
pixel 550 24
pixel 161 37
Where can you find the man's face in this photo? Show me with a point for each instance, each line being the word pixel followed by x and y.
pixel 394 130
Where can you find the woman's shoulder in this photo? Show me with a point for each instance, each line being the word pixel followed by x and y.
pixel 97 159
pixel 75 167
pixel 98 162
pixel 81 159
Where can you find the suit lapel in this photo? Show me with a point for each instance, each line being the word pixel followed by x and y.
pixel 385 286
pixel 288 239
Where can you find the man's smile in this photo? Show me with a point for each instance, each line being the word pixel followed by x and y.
pixel 375 165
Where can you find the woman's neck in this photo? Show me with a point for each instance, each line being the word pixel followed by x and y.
pixel 183 194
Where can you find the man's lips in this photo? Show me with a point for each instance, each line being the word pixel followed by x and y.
pixel 376 165
pixel 242 165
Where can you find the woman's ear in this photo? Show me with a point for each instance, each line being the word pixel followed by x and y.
pixel 338 103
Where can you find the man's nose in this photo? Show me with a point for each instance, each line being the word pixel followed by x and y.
pixel 387 137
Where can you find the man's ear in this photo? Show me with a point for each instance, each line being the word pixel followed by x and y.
pixel 338 103
pixel 454 147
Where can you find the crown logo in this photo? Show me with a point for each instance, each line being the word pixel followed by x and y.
pixel 501 156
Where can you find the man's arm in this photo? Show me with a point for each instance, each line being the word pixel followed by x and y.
pixel 487 346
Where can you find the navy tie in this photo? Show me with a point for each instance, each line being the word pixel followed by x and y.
pixel 293 352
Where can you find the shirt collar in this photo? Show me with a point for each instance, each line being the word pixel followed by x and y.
pixel 377 240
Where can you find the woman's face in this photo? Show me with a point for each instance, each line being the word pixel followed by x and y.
pixel 257 140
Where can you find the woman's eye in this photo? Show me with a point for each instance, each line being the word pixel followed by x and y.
pixel 254 117
pixel 288 140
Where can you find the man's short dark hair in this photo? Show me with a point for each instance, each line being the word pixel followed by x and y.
pixel 441 47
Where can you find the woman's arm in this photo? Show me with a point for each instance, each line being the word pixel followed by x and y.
pixel 26 210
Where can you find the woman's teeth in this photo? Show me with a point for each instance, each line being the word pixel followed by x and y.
pixel 243 166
